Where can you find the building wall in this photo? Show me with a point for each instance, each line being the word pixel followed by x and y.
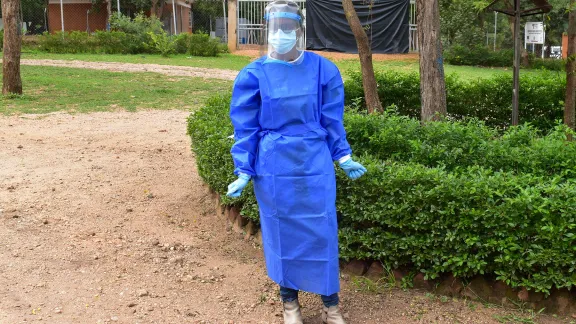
pixel 182 18
pixel 75 17
pixel 564 46
pixel 185 17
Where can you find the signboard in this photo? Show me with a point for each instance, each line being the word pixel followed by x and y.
pixel 534 32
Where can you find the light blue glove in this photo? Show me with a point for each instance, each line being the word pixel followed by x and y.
pixel 236 187
pixel 354 170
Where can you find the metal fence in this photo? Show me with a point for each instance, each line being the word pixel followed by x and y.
pixel 413 31
pixel 177 16
pixel 210 17
pixel 33 17
pixel 250 24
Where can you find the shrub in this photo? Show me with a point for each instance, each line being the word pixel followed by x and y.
pixel 482 56
pixel 209 129
pixel 478 56
pixel 163 43
pixel 489 100
pixel 223 48
pixel 203 45
pixel 113 42
pixel 138 31
pixel 82 42
pixel 548 64
pixel 30 42
pixel 1 39
pixel 441 197
pixel 182 43
pixel 455 145
pixel 518 228
pixel 67 42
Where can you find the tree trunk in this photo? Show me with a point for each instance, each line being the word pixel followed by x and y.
pixel 11 81
pixel 570 102
pixel 548 50
pixel 109 12
pixel 432 84
pixel 365 52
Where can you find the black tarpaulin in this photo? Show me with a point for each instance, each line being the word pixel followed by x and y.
pixel 385 22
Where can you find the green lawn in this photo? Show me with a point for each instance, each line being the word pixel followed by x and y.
pixel 48 89
pixel 235 62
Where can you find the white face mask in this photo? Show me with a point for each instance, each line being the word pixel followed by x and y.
pixel 281 41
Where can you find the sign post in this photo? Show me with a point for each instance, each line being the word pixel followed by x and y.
pixel 534 33
pixel 541 7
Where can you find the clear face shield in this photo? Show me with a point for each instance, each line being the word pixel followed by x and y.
pixel 284 31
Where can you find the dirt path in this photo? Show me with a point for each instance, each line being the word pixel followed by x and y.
pixel 103 218
pixel 132 67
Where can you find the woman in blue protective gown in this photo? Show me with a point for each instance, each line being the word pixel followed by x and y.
pixel 287 109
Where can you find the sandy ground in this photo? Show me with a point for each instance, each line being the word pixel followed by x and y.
pixel 132 67
pixel 103 218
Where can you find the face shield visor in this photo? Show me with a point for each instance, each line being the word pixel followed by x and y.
pixel 284 31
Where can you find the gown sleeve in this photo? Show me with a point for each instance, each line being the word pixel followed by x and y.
pixel 332 113
pixel 244 111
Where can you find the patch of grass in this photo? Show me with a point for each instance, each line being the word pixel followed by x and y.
pixel 530 318
pixel 464 72
pixel 386 283
pixel 366 285
pixel 49 89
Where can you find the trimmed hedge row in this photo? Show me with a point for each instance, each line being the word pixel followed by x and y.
pixel 483 56
pixel 442 197
pixel 456 145
pixel 478 56
pixel 117 42
pixel 518 228
pixel 489 100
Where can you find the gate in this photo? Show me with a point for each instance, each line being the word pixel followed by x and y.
pixel 413 31
pixel 250 19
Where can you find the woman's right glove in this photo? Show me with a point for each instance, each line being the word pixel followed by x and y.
pixel 236 187
pixel 354 170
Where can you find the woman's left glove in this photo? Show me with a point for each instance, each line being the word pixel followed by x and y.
pixel 236 187
pixel 354 170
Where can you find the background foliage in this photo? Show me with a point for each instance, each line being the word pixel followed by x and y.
pixel 489 99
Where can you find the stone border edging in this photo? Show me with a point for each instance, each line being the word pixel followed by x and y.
pixel 479 288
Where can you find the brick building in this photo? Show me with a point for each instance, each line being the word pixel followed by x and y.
pixel 81 15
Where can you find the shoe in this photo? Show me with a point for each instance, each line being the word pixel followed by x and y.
pixel 331 315
pixel 292 314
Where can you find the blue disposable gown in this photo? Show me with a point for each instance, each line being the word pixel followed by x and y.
pixel 288 129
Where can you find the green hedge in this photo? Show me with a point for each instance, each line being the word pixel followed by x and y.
pixel 118 42
pixel 442 197
pixel 489 100
pixel 132 36
pixel 483 56
pixel 209 129
pixel 82 42
pixel 519 228
pixel 478 56
pixel 455 145
pixel 548 64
